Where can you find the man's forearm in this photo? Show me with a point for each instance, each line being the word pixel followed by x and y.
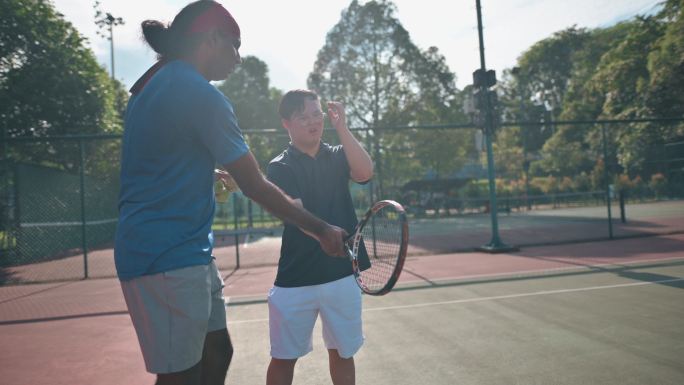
pixel 360 163
pixel 270 197
pixel 245 171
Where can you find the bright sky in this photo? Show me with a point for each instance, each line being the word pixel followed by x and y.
pixel 287 35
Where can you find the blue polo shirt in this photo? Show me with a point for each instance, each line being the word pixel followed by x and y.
pixel 176 130
pixel 322 183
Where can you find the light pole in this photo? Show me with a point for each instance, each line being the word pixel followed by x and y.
pixel 495 245
pixel 106 20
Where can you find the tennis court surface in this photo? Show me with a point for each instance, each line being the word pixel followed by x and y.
pixel 587 313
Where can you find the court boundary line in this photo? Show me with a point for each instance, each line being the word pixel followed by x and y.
pixel 522 295
pixel 253 299
pixel 539 273
pixel 494 298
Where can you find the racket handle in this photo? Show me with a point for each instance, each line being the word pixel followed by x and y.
pixel 348 238
pixel 349 252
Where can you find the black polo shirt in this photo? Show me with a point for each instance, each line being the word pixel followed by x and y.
pixel 322 183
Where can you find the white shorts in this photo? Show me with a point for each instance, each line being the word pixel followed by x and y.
pixel 172 312
pixel 293 311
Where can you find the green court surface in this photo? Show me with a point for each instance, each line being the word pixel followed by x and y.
pixel 597 326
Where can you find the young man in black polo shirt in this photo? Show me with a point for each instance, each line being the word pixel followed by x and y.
pixel 310 282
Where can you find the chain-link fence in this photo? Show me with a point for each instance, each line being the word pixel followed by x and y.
pixel 59 205
pixel 59 195
pixel 556 182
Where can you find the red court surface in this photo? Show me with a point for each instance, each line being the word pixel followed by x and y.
pixel 80 333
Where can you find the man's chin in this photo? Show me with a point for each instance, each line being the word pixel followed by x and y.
pixel 313 143
pixel 223 75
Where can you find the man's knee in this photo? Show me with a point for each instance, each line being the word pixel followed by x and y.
pixel 284 362
pixel 218 348
pixel 188 376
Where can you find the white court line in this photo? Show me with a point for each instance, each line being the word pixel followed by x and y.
pixel 492 298
pixel 533 294
pixel 544 271
pixel 59 224
pixel 248 321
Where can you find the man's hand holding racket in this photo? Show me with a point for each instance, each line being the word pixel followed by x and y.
pixel 332 241
pixel 244 172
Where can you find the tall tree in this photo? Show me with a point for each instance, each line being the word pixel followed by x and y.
pixel 537 89
pixel 547 67
pixel 583 99
pixel 370 63
pixel 630 70
pixel 256 107
pixel 610 72
pixel 51 83
pixel 666 64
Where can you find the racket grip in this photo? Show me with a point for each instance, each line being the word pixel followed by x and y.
pixel 348 238
pixel 350 253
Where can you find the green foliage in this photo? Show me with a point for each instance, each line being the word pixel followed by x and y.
pixel 623 182
pixel 658 184
pixel 508 152
pixel 584 99
pixel 547 67
pixel 634 69
pixel 582 182
pixel 597 175
pixel 256 107
pixel 50 82
pixel 562 156
pixel 666 64
pixel 370 63
pixel 474 189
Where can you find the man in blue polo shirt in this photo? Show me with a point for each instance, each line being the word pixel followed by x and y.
pixel 178 127
pixel 310 282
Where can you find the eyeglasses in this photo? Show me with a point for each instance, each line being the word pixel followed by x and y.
pixel 304 119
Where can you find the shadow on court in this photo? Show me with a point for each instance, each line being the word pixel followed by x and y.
pixel 667 280
pixel 600 312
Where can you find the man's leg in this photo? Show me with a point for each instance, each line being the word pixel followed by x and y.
pixel 292 313
pixel 342 370
pixel 164 309
pixel 216 356
pixel 187 377
pixel 280 372
pixel 342 328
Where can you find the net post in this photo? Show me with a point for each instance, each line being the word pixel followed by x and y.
pixel 607 179
pixel 84 238
pixel 236 225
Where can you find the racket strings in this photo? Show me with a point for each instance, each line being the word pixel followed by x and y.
pixel 382 237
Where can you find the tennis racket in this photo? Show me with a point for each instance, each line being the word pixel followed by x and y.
pixel 383 232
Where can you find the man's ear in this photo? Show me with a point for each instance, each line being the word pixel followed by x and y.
pixel 214 39
pixel 285 123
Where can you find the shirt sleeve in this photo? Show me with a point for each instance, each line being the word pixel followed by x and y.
pixel 282 176
pixel 218 130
